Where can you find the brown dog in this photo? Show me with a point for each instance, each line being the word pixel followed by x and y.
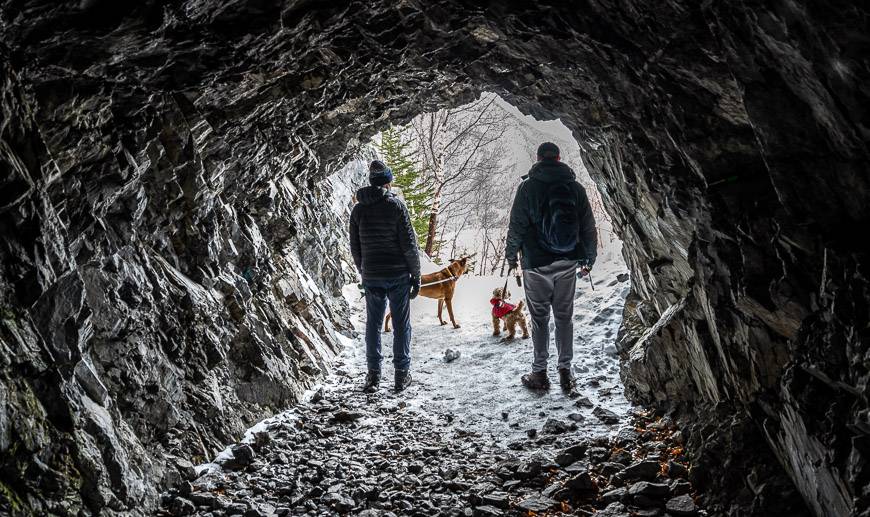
pixel 441 285
pixel 512 315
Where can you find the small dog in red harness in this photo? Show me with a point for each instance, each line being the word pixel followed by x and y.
pixel 511 314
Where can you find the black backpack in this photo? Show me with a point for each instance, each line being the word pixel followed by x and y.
pixel 559 227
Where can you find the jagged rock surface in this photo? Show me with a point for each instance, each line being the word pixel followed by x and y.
pixel 165 285
pixel 398 458
pixel 163 224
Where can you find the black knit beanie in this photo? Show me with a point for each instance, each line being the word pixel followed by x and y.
pixel 379 174
pixel 548 151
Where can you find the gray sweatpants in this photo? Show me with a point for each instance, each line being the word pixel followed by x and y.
pixel 552 286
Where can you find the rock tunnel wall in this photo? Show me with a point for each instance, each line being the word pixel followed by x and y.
pixel 170 260
pixel 165 284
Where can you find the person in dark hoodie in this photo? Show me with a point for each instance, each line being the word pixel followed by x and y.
pixel 384 249
pixel 551 222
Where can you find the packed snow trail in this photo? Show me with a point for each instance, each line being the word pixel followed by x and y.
pixel 481 390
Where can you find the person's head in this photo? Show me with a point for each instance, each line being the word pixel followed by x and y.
pixel 379 174
pixel 548 151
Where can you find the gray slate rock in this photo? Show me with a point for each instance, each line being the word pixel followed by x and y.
pixel 343 416
pixel 645 470
pixel 181 506
pixel 236 508
pixel 537 503
pixel 613 510
pixel 583 402
pixel 556 426
pixel 605 415
pixel 677 470
pixel 564 459
pixel 497 499
pixel 648 489
pixel 617 494
pixel 581 483
pixel 487 511
pixel 204 499
pixel 682 506
pixel 242 456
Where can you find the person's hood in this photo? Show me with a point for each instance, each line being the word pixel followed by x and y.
pixel 551 171
pixel 371 195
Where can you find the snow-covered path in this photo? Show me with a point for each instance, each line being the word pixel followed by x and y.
pixel 466 439
pixel 483 385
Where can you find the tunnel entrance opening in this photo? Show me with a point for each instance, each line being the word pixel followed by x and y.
pixel 457 170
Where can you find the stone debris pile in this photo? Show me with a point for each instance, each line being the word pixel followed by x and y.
pixel 345 452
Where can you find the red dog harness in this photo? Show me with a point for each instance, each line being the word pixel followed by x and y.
pixel 500 308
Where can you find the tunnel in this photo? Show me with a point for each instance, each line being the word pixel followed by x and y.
pixel 172 273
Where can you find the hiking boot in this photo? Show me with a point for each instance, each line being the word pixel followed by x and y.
pixel 373 381
pixel 403 379
pixel 566 379
pixel 536 381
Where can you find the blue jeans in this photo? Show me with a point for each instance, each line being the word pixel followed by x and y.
pixel 398 292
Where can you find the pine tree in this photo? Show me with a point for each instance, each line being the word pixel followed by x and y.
pixel 397 155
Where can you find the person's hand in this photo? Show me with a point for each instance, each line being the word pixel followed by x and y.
pixel 512 265
pixel 583 271
pixel 415 286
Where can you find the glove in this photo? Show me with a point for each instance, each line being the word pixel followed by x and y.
pixel 512 264
pixel 415 286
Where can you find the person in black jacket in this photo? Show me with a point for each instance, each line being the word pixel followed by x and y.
pixel 384 249
pixel 551 222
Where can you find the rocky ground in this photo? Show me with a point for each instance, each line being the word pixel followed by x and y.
pixel 346 452
pixel 464 439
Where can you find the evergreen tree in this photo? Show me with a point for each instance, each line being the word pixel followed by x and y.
pixel 397 155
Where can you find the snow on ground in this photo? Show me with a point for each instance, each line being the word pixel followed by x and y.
pixel 484 382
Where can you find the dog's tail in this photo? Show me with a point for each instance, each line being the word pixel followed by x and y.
pixel 519 307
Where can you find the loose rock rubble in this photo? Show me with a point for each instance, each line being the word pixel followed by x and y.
pixel 345 452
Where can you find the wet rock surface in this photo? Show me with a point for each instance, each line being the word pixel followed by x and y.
pixel 162 231
pixel 163 312
pixel 398 459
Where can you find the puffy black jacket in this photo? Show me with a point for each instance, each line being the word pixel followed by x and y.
pixel 382 240
pixel 527 213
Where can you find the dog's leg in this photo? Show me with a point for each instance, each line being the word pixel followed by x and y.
pixel 496 327
pixel 508 329
pixel 522 320
pixel 387 322
pixel 440 311
pixel 512 326
pixel 449 303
